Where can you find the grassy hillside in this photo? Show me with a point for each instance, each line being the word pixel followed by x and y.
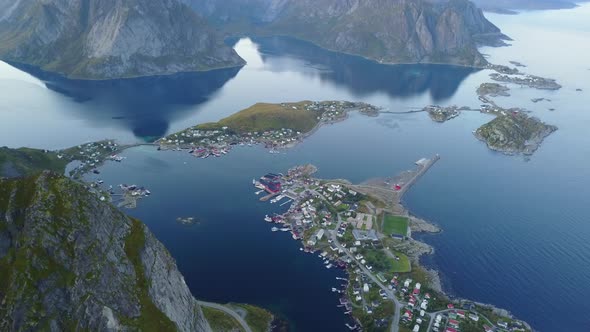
pixel 263 117
pixel 25 161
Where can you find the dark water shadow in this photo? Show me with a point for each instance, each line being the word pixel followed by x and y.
pixel 362 76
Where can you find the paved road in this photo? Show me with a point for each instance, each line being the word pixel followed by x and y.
pixel 390 294
pixel 227 311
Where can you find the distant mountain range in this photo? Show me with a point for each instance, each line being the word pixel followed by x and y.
pixel 388 31
pixel 100 39
pixel 507 6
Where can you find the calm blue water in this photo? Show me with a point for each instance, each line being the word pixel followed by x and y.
pixel 514 231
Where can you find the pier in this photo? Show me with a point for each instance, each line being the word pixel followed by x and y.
pixel 267 197
pixel 423 168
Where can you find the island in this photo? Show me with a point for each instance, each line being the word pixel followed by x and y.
pixel 531 81
pixel 365 230
pixel 493 90
pixel 514 132
pixel 442 114
pixel 276 126
pixel 517 64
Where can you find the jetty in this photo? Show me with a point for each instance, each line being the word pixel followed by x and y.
pixel 267 197
pixel 423 166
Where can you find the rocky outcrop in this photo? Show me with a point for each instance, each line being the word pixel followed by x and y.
pixel 388 31
pixel 71 262
pixel 103 39
pixel 514 133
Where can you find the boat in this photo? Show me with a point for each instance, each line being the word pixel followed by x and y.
pixel 267 218
pixel 285 229
pixel 334 290
pixel 274 229
pixel 350 327
pixel 328 266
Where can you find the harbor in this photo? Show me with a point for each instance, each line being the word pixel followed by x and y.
pixel 364 230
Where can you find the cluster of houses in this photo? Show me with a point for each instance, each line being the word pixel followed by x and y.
pixel 89 155
pixel 203 141
pixel 417 304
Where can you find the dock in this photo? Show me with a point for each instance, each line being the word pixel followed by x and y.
pixel 287 202
pixel 423 166
pixel 267 197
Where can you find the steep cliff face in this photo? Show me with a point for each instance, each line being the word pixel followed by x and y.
pixel 72 262
pixel 110 38
pixel 391 31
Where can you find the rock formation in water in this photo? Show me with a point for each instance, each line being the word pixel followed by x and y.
pixel 388 31
pixel 71 262
pixel 514 133
pixel 104 39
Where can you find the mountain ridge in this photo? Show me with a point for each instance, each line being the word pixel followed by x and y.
pixel 387 31
pixel 101 39
pixel 72 262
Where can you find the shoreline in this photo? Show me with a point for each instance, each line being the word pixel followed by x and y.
pixel 299 180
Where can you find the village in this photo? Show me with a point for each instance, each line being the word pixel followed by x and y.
pixel 217 139
pixel 349 227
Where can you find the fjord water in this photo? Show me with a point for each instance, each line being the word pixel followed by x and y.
pixel 515 231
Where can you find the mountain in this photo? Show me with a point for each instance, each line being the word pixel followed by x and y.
pixel 71 262
pixel 507 6
pixel 102 39
pixel 388 31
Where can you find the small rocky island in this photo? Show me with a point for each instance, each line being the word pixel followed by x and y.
pixel 514 133
pixel 443 114
pixel 493 90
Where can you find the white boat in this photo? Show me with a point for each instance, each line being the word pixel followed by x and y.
pixel 279 198
pixel 274 229
pixel 267 218
pixel 334 290
pixel 328 266
pixel 285 229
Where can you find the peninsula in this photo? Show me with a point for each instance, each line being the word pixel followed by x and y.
pixel 365 230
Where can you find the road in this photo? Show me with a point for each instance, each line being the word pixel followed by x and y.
pixel 227 311
pixel 390 294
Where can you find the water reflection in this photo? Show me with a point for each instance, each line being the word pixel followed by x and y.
pixel 361 76
pixel 145 105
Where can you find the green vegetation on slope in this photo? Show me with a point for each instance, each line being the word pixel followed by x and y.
pixel 263 117
pixel 257 318
pixel 514 133
pixel 25 161
pixel 401 265
pixel 395 225
pixel 151 318
pixel 220 321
